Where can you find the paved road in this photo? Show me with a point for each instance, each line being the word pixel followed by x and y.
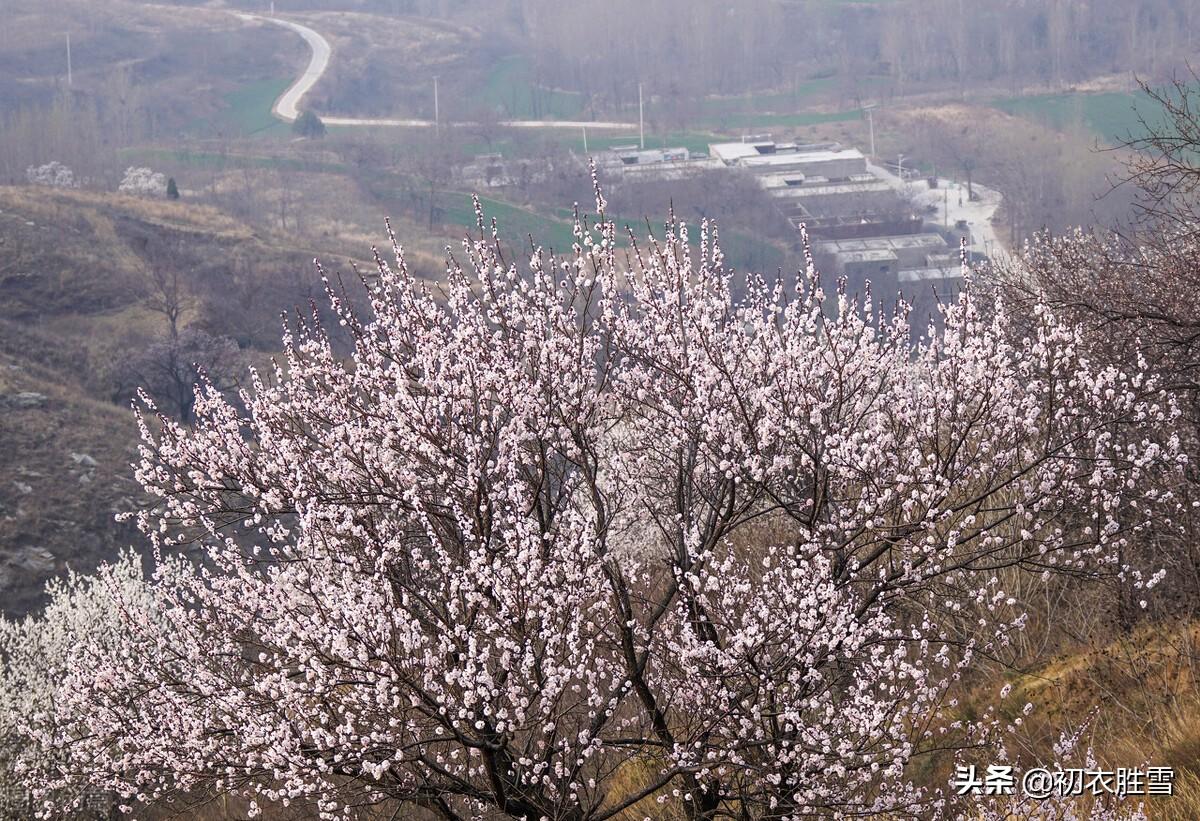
pixel 287 107
pixel 952 204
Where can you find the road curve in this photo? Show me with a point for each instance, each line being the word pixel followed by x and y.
pixel 287 107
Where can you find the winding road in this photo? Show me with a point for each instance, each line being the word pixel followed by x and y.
pixel 287 107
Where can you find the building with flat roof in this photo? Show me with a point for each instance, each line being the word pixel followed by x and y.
pixel 927 243
pixel 664 163
pixel 827 160
pixel 632 155
pixel 865 228
pixel 838 199
pixel 833 165
pixel 886 255
pixel 819 187
pixel 863 265
pixel 730 153
pixel 930 275
pixel 825 185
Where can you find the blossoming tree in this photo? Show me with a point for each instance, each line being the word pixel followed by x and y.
pixel 53 174
pixel 564 539
pixel 143 181
pixel 35 652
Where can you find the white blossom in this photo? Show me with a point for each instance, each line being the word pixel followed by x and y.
pixel 143 182
pixel 53 174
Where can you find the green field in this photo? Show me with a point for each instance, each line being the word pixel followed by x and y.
pixel 809 93
pixel 777 101
pixel 798 120
pixel 554 230
pixel 1110 116
pixel 176 157
pixel 509 144
pixel 247 112
pixel 516 224
pixel 510 91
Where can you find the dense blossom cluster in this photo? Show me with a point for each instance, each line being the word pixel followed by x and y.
pixel 619 513
pixel 143 182
pixel 1135 302
pixel 53 174
pixel 35 655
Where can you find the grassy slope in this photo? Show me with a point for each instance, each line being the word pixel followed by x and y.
pixel 61 260
pixel 247 111
pixel 510 90
pixel 56 509
pixel 1136 694
pixel 72 291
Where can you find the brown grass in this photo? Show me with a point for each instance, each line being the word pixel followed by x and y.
pixel 1137 698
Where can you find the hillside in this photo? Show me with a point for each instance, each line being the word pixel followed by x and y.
pixel 77 295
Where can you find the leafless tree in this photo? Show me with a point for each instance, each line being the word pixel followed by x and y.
pixel 166 292
pixel 1164 158
pixel 170 368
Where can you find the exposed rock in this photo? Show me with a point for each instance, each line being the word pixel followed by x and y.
pixel 24 399
pixel 22 487
pixel 23 562
pixel 39 560
pixel 84 459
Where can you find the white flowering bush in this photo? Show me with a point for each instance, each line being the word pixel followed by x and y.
pixel 35 654
pixel 143 182
pixel 599 510
pixel 53 174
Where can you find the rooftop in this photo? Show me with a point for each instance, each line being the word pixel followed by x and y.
pixel 908 241
pixel 794 157
pixel 730 152
pixel 830 189
pixel 734 153
pixel 877 255
pixel 928 274
pixel 632 155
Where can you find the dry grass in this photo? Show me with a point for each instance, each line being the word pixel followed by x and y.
pixel 30 25
pixel 422 43
pixel 52 204
pixel 73 302
pixel 1137 698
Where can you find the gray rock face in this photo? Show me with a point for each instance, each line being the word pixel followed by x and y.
pixel 23 562
pixel 24 400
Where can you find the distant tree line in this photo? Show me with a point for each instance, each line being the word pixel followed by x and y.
pixel 693 50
